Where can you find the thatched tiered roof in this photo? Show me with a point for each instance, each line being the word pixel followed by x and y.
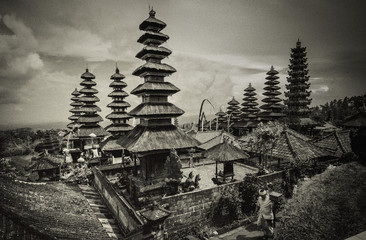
pixel 145 139
pixel 119 116
pixel 225 152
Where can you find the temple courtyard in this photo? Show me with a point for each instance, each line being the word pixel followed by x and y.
pixel 207 172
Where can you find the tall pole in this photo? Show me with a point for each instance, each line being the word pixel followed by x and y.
pixel 200 114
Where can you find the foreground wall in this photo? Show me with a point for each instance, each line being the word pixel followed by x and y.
pixel 189 209
pixel 129 222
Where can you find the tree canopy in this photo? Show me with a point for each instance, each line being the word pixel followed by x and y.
pixel 328 206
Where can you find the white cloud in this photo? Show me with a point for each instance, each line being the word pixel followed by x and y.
pixel 19 59
pixel 321 89
pixel 73 42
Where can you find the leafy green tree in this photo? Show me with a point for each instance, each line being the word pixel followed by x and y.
pixel 248 192
pixel 328 206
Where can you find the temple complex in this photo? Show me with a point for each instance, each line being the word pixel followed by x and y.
pixel 155 137
pixel 75 110
pixel 298 101
pixel 272 107
pixel 119 116
pixel 90 132
pixel 250 109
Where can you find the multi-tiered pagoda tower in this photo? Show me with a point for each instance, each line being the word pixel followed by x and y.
pixel 250 109
pixel 90 133
pixel 220 120
pixel 233 110
pixel 298 95
pixel 155 136
pixel 119 116
pixel 272 107
pixel 75 110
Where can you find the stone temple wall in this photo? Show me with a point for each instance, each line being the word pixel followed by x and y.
pixel 189 209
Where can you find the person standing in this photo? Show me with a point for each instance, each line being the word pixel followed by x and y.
pixel 265 213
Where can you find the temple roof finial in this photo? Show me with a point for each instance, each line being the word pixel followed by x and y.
pixel 152 12
pixel 298 42
pixel 117 70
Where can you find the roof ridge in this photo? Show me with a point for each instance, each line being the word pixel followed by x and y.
pixel 290 145
pixel 339 141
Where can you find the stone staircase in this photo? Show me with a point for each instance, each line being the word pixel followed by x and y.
pixel 101 211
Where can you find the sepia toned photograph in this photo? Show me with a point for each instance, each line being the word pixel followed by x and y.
pixel 192 120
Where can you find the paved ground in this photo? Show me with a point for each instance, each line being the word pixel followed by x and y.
pixel 250 232
pixel 207 172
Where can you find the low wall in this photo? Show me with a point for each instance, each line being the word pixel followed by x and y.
pixel 191 208
pixel 271 177
pixel 130 223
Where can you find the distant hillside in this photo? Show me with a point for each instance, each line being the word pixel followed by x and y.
pixel 35 126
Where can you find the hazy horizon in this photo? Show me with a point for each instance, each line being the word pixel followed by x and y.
pixel 219 47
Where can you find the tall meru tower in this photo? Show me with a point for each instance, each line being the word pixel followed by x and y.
pixel 298 101
pixel 155 136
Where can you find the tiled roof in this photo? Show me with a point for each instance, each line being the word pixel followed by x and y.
pixel 47 162
pixel 337 142
pixel 205 136
pixel 292 146
pixel 56 209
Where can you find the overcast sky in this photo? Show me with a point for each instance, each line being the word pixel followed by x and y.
pixel 219 47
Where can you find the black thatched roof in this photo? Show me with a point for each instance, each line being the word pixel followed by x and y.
pixel 151 21
pixel 153 35
pixel 87 75
pixel 225 152
pixel 160 52
pixel 117 75
pixel 118 115
pixel 119 104
pixel 154 67
pixel 119 84
pixel 110 144
pixel 163 88
pixel 75 92
pixel 120 127
pixel 85 131
pixel 90 118
pixel 86 90
pixel 163 109
pixel 144 139
pixel 233 102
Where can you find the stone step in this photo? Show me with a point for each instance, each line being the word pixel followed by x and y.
pixel 101 211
